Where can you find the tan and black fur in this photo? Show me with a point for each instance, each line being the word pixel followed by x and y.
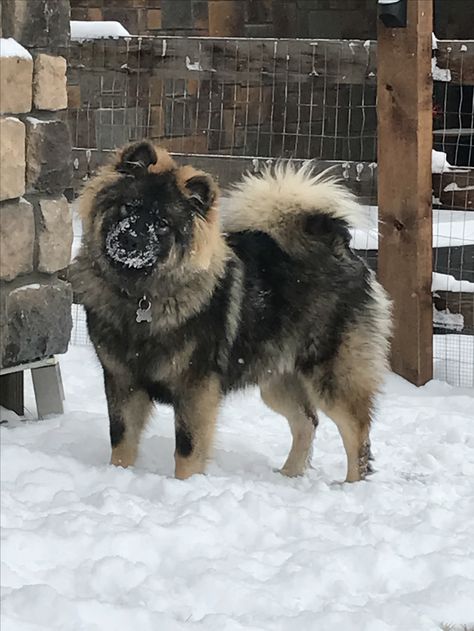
pixel 269 295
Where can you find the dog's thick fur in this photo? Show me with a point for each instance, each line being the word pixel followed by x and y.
pixel 274 296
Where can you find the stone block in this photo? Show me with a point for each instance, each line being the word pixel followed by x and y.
pixel 79 13
pixel 48 155
pixel 186 144
pixel 12 158
pixel 37 23
pixel 74 97
pixel 16 76
pixel 49 83
pixel 259 30
pixel 156 90
pixel 156 122
pixel 94 14
pixel 17 238
pixel 123 14
pixel 176 15
pixel 260 12
pixel 54 222
pixel 226 18
pixel 200 14
pixel 36 321
pixel 153 19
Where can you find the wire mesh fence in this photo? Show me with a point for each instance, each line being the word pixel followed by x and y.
pixel 231 105
pixel 244 100
pixel 453 216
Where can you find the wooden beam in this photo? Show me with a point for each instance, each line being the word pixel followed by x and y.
pixel 404 88
pixel 343 62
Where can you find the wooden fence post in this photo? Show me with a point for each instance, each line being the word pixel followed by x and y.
pixel 404 104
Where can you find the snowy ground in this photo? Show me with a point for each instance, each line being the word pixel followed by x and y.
pixel 88 547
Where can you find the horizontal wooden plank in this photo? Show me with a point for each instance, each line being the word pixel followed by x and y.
pixel 361 177
pixel 343 61
pixel 348 62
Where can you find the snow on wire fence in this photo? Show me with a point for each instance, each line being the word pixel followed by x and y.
pixel 231 105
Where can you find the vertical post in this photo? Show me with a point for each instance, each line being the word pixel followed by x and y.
pixel 11 392
pixel 404 109
pixel 48 387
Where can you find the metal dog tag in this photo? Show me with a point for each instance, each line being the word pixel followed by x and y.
pixel 144 310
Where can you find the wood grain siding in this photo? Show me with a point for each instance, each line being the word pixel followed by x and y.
pixel 404 186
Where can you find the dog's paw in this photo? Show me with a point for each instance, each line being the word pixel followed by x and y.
pixel 291 472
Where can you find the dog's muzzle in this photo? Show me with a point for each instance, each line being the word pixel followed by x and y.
pixel 134 243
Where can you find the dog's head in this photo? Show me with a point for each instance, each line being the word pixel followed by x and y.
pixel 144 213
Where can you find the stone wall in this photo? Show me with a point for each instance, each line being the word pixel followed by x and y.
pixel 353 19
pixel 147 17
pixel 35 169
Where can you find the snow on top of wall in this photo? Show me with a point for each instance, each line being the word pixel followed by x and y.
pixel 445 282
pixel 37 121
pixel 81 30
pixel 25 287
pixel 9 47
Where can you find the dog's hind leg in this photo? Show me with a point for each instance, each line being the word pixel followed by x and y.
pixel 129 409
pixel 353 422
pixel 195 418
pixel 286 396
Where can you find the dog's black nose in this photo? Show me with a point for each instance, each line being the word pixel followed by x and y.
pixel 129 241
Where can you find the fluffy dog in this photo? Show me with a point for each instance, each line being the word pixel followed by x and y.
pixel 183 310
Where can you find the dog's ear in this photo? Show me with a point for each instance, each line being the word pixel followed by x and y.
pixel 136 158
pixel 201 191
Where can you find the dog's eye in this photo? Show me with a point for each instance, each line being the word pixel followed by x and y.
pixel 163 227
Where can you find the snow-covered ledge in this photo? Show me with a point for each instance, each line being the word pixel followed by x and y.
pixel 84 30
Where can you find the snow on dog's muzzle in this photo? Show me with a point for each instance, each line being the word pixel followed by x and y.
pixel 134 243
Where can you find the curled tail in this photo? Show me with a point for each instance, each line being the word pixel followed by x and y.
pixel 289 203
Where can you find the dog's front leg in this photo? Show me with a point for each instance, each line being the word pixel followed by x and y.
pixel 129 409
pixel 196 411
